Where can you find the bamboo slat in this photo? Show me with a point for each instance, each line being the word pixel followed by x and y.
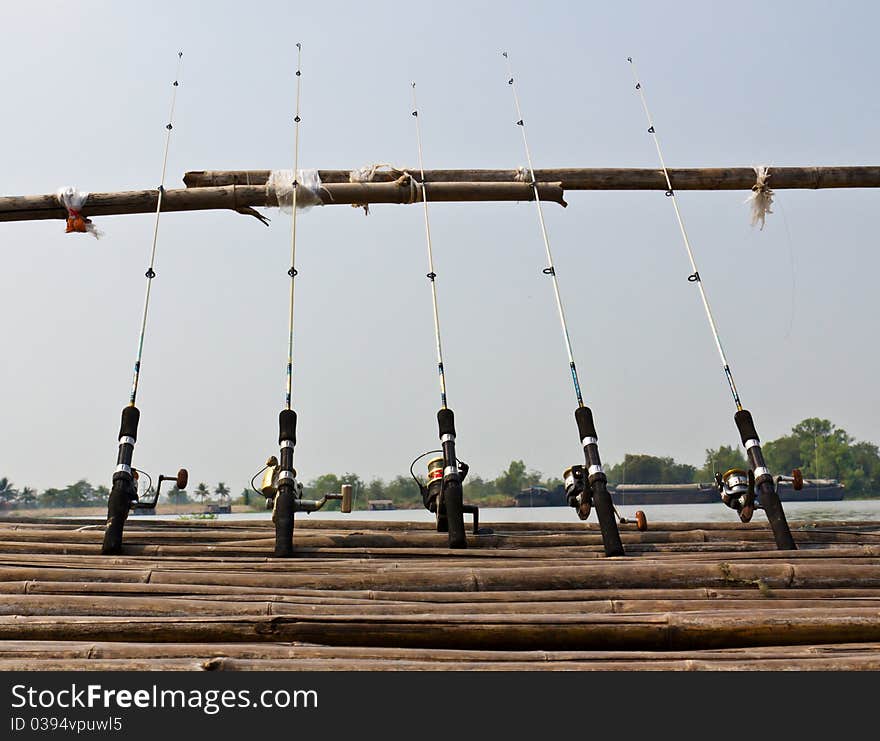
pixel 236 197
pixel 596 178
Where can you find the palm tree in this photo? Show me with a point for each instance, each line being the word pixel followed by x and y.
pixel 222 492
pixel 8 493
pixel 202 492
pixel 27 497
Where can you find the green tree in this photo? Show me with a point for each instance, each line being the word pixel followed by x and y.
pixel 721 459
pixel 513 480
pixel 177 496
pixel 8 493
pixel 27 497
pixel 404 492
pixel 641 468
pixel 822 450
pixel 222 492
pixel 202 492
pixel 331 483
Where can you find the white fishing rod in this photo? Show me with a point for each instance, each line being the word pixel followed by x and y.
pixel 447 499
pixel 288 489
pixel 695 276
pixel 585 486
pixel 432 275
pixel 550 269
pixel 292 271
pixel 151 273
pixel 738 489
pixel 124 490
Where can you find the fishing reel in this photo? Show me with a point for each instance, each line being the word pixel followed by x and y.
pixel 123 498
pixel 149 503
pixel 269 489
pixel 579 496
pixel 737 489
pixel 434 495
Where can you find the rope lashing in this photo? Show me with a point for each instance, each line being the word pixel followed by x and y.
pixel 521 175
pixel 368 175
pixel 74 201
pixel 762 197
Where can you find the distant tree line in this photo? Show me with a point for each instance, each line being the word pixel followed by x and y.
pixel 816 446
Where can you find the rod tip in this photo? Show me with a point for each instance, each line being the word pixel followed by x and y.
pixel 299 45
pixel 504 54
pixel 179 54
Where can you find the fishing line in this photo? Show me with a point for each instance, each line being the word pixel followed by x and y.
pixel 695 276
pixel 292 271
pixel 550 269
pixel 151 273
pixel 432 275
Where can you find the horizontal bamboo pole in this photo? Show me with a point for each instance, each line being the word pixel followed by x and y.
pixel 720 572
pixel 236 197
pixel 367 597
pixel 597 178
pixel 678 631
pixel 423 538
pixel 315 523
pixel 843 663
pixel 45 651
pixel 65 606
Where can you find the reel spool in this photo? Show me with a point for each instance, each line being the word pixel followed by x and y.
pixel 576 491
pixel 737 490
pixel 431 493
pixel 577 495
pixel 431 490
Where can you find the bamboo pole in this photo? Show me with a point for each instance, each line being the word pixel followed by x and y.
pixel 238 197
pixel 24 522
pixel 596 178
pixel 98 650
pixel 79 605
pixel 680 631
pixel 842 663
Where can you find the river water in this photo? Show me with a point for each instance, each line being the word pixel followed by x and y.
pixel 854 509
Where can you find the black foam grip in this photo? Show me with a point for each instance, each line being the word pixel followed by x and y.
pixel 745 425
pixel 287 426
pixel 129 425
pixel 446 422
pixel 584 418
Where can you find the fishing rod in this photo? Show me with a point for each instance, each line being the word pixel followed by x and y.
pixel 123 494
pixel 443 494
pixel 284 494
pixel 590 489
pixel 737 488
pixel 288 488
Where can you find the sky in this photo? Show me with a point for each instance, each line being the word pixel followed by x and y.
pixel 87 92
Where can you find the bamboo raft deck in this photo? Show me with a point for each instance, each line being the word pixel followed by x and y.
pixel 207 595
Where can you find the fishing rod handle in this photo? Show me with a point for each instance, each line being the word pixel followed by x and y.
pixel 749 436
pixel 127 437
pixel 590 442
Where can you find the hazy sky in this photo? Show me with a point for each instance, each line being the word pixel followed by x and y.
pixel 86 91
